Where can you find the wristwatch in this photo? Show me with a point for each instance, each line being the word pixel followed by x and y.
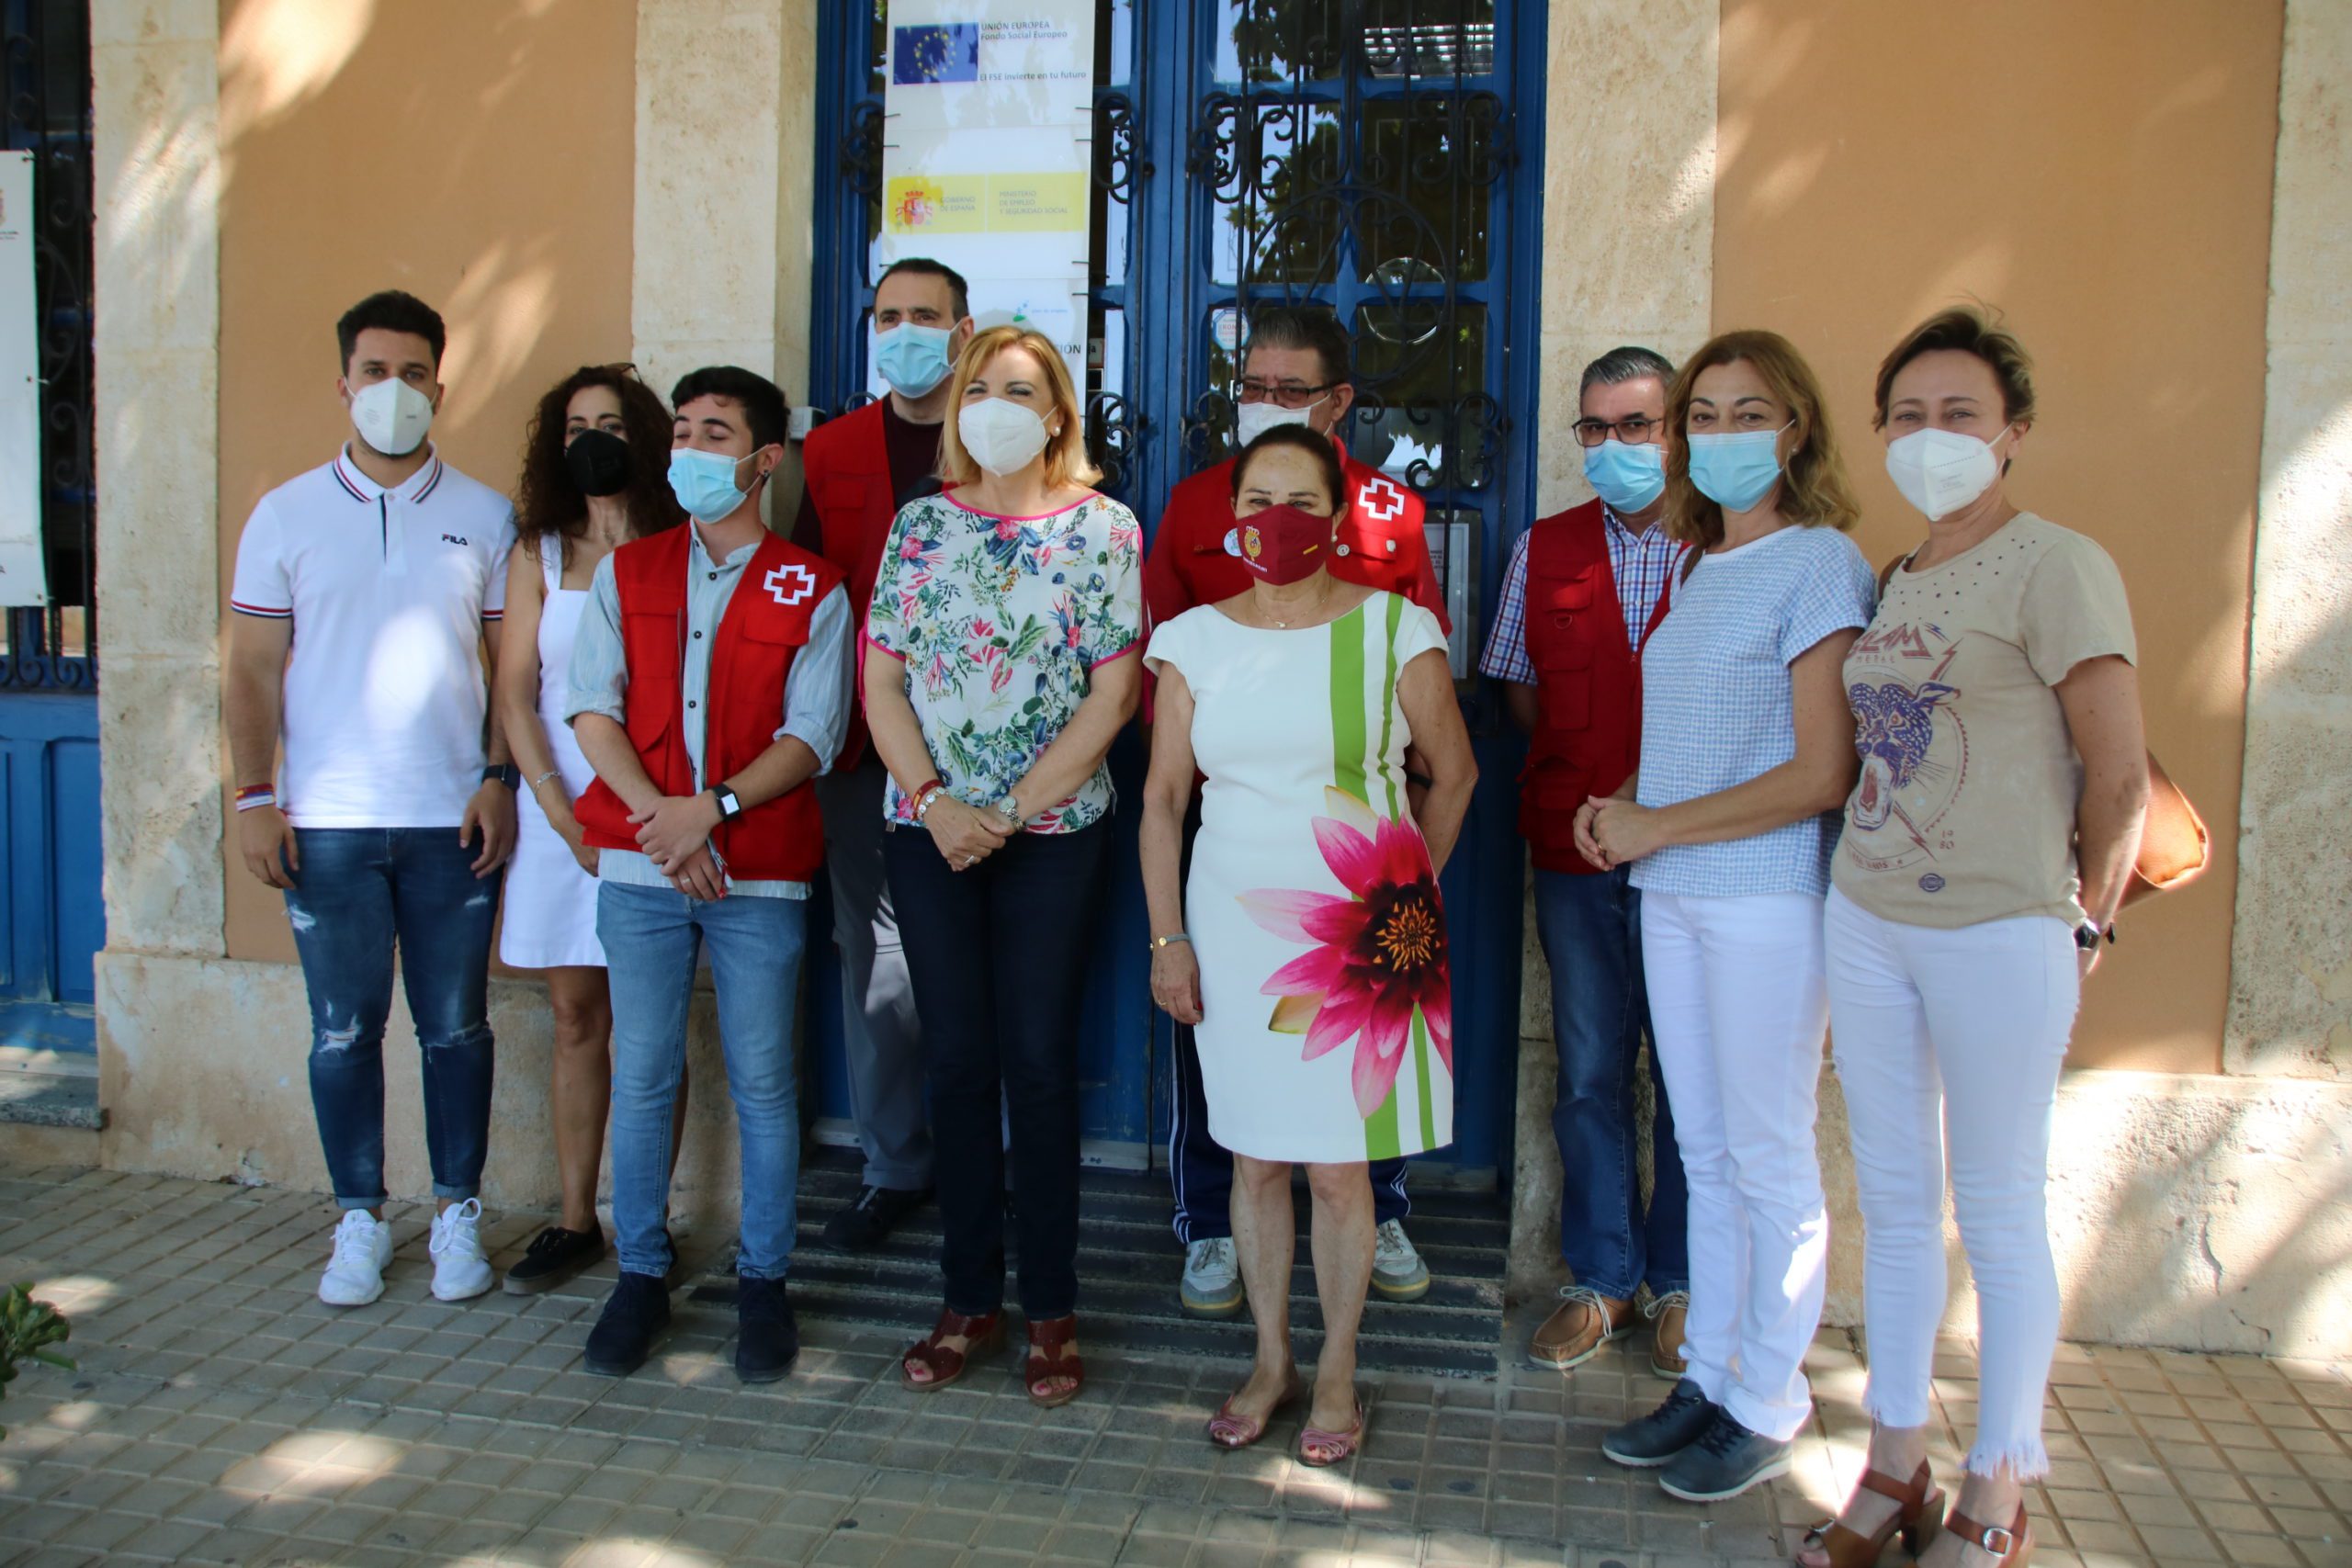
pixel 730 807
pixel 506 774
pixel 1011 811
pixel 2087 934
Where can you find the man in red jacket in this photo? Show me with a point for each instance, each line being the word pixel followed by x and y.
pixel 1295 371
pixel 1581 593
pixel 861 468
pixel 710 685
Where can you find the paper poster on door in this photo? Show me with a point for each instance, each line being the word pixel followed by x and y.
pixel 988 159
pixel 23 572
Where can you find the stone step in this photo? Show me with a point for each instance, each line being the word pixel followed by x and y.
pixel 1129 1261
pixel 51 1099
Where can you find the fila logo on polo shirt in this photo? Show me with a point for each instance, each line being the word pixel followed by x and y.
pixel 791 584
pixel 451 540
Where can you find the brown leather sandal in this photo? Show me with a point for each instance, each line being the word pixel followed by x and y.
pixel 2013 1546
pixel 1919 1514
pixel 981 1335
pixel 1048 1358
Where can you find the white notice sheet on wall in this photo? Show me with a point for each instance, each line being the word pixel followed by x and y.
pixel 987 159
pixel 23 575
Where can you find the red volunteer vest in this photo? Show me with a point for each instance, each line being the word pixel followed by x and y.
pixel 847 464
pixel 765 628
pixel 1587 684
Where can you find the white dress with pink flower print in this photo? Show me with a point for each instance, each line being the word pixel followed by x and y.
pixel 1326 1029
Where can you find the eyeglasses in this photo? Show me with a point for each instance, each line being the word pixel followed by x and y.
pixel 1289 394
pixel 1633 432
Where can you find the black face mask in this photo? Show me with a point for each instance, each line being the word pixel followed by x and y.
pixel 598 462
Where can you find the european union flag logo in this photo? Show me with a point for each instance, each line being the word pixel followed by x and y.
pixel 948 51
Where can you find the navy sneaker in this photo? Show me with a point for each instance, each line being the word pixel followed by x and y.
pixel 767 1336
pixel 636 1315
pixel 1650 1441
pixel 1727 1461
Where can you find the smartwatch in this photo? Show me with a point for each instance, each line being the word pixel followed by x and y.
pixel 507 774
pixel 729 807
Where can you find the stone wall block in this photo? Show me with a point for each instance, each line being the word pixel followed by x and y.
pixel 153 21
pixel 158 176
pixel 159 560
pixel 159 734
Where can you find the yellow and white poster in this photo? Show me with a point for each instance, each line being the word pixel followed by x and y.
pixel 24 574
pixel 988 156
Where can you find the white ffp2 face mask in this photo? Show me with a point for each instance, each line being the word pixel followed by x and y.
pixel 1002 436
pixel 1940 471
pixel 391 416
pixel 1253 420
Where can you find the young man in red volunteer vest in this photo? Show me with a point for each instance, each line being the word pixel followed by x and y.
pixel 861 468
pixel 709 686
pixel 1581 593
pixel 1295 372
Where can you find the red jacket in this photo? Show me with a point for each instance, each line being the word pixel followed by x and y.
pixel 1383 539
pixel 847 467
pixel 1587 684
pixel 766 625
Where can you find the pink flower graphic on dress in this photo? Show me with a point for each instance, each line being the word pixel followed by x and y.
pixel 1378 954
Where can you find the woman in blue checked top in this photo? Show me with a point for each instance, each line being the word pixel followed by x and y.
pixel 1747 752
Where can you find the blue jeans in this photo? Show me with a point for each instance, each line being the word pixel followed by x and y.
pixel 652 938
pixel 1591 927
pixel 361 893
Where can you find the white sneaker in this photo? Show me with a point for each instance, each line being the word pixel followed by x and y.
pixel 354 1275
pixel 1212 1286
pixel 1397 1271
pixel 460 1268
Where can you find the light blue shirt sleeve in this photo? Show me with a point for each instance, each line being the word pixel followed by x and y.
pixel 1506 656
pixel 599 678
pixel 816 691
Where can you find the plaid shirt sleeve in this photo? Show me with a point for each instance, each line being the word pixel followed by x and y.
pixel 1506 656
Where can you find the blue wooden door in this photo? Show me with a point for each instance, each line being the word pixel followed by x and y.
pixel 1377 158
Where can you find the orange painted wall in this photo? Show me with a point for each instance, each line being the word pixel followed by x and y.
pixel 479 153
pixel 2100 170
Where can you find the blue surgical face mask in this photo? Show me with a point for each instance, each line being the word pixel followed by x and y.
pixel 1626 477
pixel 913 359
pixel 1738 470
pixel 704 483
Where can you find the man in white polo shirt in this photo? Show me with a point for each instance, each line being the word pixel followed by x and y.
pixel 366 592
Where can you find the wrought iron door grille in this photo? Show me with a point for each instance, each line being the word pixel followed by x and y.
pixel 45 45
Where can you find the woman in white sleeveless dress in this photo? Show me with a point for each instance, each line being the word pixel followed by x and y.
pixel 1309 946
pixel 593 477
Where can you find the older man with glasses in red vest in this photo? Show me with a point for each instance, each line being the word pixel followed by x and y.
pixel 1583 590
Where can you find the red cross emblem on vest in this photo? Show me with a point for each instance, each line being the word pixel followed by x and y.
pixel 1380 500
pixel 791 584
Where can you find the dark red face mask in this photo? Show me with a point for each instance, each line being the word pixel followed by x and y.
pixel 1284 544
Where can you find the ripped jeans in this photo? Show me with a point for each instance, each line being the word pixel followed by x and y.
pixel 362 891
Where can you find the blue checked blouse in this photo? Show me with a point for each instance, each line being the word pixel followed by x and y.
pixel 1716 709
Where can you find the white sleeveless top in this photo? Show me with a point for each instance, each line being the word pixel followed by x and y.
pixel 550 902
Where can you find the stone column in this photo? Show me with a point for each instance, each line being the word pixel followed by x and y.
pixel 1629 155
pixel 2290 971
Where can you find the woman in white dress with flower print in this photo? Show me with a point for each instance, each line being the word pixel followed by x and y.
pixel 1308 947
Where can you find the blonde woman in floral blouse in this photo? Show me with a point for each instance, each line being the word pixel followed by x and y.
pixel 1000 659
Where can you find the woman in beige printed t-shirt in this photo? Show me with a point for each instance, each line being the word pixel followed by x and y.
pixel 1986 846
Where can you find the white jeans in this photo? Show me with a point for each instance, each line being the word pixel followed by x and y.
pixel 1737 1012
pixel 1955 1036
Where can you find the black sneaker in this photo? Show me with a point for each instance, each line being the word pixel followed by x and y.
pixel 1651 1440
pixel 767 1336
pixel 1727 1461
pixel 867 1222
pixel 554 1256
pixel 635 1316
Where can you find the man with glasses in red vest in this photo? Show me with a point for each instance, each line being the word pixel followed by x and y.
pixel 1294 371
pixel 861 468
pixel 1582 591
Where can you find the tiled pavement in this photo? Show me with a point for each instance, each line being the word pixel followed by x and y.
pixel 221 1413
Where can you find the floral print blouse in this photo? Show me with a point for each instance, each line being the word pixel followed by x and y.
pixel 1000 621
